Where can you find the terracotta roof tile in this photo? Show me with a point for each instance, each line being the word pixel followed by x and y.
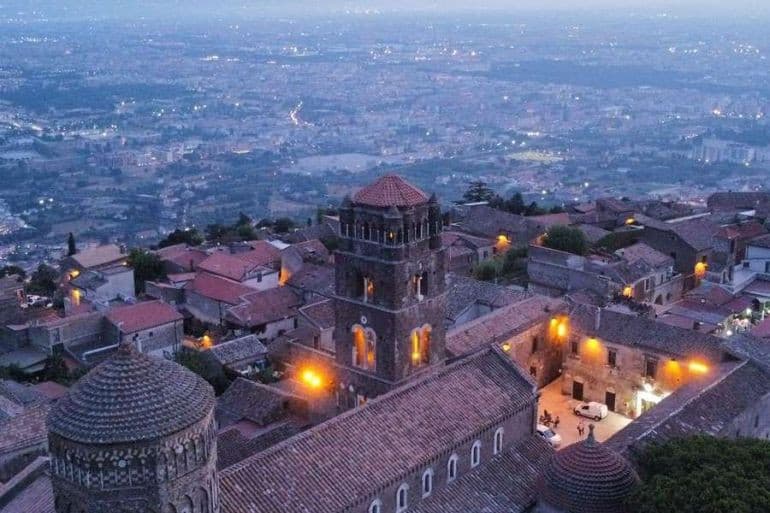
pixel 219 289
pixel 344 460
pixel 228 266
pixel 265 306
pixel 390 191
pixel 142 316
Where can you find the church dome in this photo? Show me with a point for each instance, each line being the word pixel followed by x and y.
pixel 587 477
pixel 390 191
pixel 131 397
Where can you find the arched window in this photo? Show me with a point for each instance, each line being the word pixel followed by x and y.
pixel 421 345
pixel 427 482
pixel 451 468
pixel 498 446
pixel 402 498
pixel 364 347
pixel 375 506
pixel 476 454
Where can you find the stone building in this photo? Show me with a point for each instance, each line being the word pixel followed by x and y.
pixel 390 298
pixel 631 363
pixel 135 435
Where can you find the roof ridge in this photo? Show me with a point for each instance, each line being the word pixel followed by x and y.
pixel 371 404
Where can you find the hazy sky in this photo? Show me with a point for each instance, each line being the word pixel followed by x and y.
pixel 120 8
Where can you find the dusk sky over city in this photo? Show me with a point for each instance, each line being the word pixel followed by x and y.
pixel 371 256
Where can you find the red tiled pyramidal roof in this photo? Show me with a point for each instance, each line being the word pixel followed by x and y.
pixel 390 191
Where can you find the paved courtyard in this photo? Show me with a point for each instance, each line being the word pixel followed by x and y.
pixel 551 399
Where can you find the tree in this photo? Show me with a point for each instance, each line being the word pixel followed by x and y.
pixel 10 270
pixel 191 237
pixel 43 281
pixel 486 271
pixel 566 238
pixel 283 225
pixel 514 262
pixel 71 246
pixel 147 267
pixel 704 475
pixel 478 191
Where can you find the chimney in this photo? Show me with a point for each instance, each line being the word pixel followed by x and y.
pixel 598 318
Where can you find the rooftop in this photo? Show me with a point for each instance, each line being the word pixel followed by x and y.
pixel 131 397
pixel 636 331
pixel 390 191
pixel 98 256
pixel 238 349
pixel 218 288
pixel 266 306
pixel 142 316
pixel 501 324
pixel 352 455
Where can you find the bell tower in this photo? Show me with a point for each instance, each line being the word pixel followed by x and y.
pixel 390 298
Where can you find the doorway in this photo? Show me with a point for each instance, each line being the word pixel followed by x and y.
pixel 609 400
pixel 577 390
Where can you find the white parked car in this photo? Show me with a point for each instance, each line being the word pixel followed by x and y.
pixel 549 435
pixel 592 410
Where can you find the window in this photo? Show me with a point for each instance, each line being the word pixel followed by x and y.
pixel 476 454
pixel 427 482
pixel 650 367
pixel 451 468
pixel 574 347
pixel 612 357
pixel 421 346
pixel 535 344
pixel 364 347
pixel 375 506
pixel 498 446
pixel 402 499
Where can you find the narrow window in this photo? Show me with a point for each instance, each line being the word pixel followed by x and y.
pixel 476 454
pixel 451 469
pixel 402 501
pixel 650 367
pixel 612 358
pixel 498 441
pixel 427 482
pixel 574 347
pixel 375 506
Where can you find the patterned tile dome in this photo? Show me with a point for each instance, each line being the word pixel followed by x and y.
pixel 587 477
pixel 131 397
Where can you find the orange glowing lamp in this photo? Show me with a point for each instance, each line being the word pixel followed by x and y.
pixel 311 378
pixel 561 330
pixel 628 292
pixel 506 347
pixel 700 269
pixel 697 367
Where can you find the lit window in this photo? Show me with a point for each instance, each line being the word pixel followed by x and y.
pixel 375 506
pixel 402 499
pixel 364 347
pixel 420 341
pixel 451 469
pixel 498 447
pixel 427 482
pixel 476 454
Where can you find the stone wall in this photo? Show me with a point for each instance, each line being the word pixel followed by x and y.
pixel 174 474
